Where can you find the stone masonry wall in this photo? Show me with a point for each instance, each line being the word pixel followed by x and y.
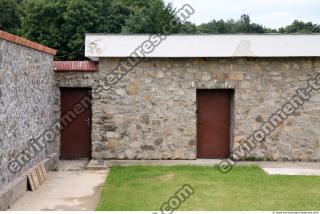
pixel 26 104
pixel 151 112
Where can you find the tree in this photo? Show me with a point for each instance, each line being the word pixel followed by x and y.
pixel 219 26
pixel 301 27
pixel 188 28
pixel 90 16
pixel 243 25
pixel 151 17
pixel 10 15
pixel 43 22
pixel 62 24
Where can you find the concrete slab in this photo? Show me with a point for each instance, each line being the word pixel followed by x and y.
pixel 271 167
pixel 11 193
pixel 72 165
pixel 277 164
pixel 291 171
pixel 16 189
pixel 205 162
pixel 212 162
pixel 97 165
pixel 71 188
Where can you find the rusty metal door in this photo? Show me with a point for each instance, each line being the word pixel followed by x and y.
pixel 75 135
pixel 213 123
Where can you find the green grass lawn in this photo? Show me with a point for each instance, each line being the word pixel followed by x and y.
pixel 244 188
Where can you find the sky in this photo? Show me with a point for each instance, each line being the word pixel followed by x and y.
pixel 269 13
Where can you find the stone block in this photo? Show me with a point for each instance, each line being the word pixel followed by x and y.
pixel 110 135
pixel 132 89
pixel 236 76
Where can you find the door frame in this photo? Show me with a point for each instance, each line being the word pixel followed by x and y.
pixel 90 121
pixel 232 104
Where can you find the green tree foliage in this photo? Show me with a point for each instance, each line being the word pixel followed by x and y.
pixel 149 16
pixel 10 15
pixel 62 24
pixel 94 16
pixel 188 28
pixel 301 27
pixel 243 25
pixel 43 22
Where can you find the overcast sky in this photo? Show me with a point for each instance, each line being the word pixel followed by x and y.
pixel 270 13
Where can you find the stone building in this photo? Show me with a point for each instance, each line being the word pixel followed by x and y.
pixel 27 109
pixel 198 96
pixel 252 97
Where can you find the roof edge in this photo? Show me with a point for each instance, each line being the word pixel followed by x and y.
pixel 240 45
pixel 205 34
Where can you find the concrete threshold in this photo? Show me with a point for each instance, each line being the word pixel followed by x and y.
pixel 97 165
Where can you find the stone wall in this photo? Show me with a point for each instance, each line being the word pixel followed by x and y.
pixel 151 112
pixel 27 105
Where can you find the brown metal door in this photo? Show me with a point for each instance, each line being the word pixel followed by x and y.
pixel 76 135
pixel 213 125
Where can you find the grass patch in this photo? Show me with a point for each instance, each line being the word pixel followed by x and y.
pixel 145 188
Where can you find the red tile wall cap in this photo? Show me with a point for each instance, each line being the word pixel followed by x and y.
pixel 25 42
pixel 75 66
